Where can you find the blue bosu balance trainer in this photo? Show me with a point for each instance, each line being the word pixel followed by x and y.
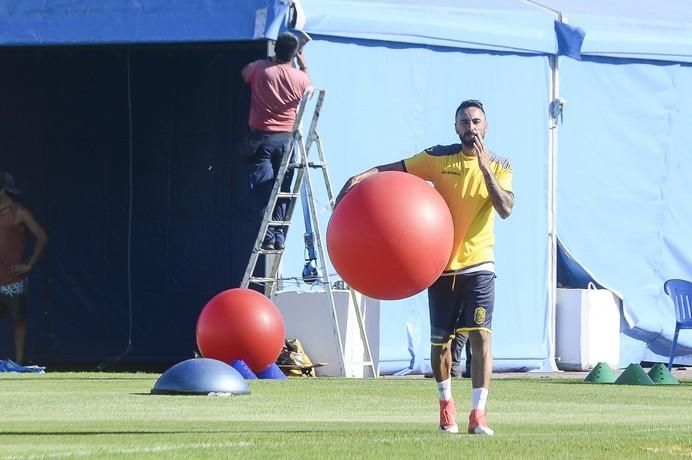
pixel 201 376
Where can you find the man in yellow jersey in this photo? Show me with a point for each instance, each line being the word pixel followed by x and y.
pixel 475 183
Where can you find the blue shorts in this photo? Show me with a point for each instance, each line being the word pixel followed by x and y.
pixel 461 303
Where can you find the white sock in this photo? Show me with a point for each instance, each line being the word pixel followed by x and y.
pixel 479 396
pixel 445 389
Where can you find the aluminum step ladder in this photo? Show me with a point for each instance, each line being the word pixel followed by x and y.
pixel 299 161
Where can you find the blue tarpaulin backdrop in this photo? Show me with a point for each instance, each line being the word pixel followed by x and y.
pixel 135 182
pixel 621 137
pixel 394 71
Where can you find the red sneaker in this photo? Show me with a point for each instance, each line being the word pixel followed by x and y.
pixel 477 424
pixel 448 414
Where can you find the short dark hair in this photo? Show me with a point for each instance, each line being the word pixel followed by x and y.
pixel 7 183
pixel 469 103
pixel 286 47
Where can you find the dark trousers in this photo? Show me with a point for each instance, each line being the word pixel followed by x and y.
pixel 265 151
pixel 457 345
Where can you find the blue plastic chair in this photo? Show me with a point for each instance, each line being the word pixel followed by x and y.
pixel 681 293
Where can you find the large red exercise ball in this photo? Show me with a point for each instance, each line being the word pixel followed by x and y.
pixel 391 236
pixel 241 324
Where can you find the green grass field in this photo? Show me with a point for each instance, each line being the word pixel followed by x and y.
pixel 112 415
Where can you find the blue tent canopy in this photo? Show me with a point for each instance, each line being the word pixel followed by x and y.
pixel 660 30
pixel 40 22
pixel 395 73
pixel 501 25
pixel 633 74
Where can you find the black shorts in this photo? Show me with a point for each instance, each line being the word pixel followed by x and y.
pixel 461 303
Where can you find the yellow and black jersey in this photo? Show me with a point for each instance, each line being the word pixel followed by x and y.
pixel 459 180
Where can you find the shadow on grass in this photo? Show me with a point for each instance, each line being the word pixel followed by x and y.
pixel 211 394
pixel 570 381
pixel 78 379
pixel 143 432
pixel 561 380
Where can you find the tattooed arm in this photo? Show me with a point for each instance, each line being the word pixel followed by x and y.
pixel 396 166
pixel 503 201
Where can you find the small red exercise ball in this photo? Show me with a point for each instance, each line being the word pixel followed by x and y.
pixel 241 324
pixel 391 236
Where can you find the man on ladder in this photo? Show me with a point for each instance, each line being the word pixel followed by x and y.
pixel 279 98
pixel 276 88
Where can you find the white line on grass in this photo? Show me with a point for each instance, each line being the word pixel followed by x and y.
pixel 144 450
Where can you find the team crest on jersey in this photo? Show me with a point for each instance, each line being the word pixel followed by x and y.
pixel 479 315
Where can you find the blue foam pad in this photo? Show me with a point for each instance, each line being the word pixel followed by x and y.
pixel 244 370
pixel 272 372
pixel 201 376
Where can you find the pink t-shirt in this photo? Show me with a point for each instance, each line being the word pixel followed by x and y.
pixel 276 92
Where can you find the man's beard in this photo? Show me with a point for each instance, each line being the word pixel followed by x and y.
pixel 467 139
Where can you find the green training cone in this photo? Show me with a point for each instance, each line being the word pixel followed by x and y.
pixel 634 375
pixel 602 373
pixel 661 375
